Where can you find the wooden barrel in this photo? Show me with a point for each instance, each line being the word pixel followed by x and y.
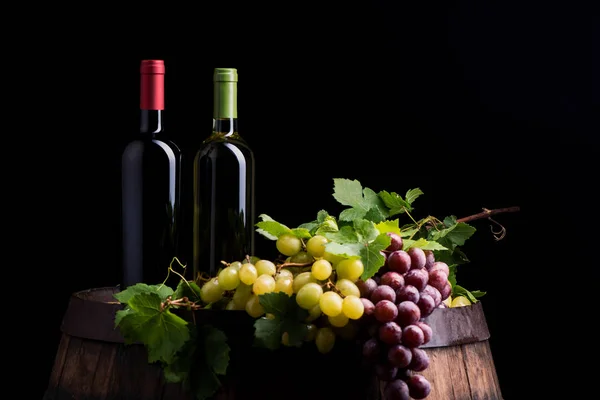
pixel 461 363
pixel 93 362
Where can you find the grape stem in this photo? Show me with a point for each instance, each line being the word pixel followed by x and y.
pixel 488 213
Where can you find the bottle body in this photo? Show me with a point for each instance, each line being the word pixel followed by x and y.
pixel 150 197
pixel 223 191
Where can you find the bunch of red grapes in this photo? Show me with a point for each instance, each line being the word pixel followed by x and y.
pixel 407 288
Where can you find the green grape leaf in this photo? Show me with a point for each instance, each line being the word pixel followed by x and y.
pixel 389 226
pixel 278 304
pixel 412 195
pixel 121 314
pixel 189 289
pixel 423 244
pixel 309 226
pixel 296 331
pixel 162 332
pixel 344 250
pixel 458 290
pixel 350 214
pixel 301 233
pixel 346 234
pixel 268 332
pixel 410 232
pixel 365 230
pixel 395 202
pixel 377 214
pixel 454 235
pixel 370 254
pixel 452 274
pixel 270 228
pixel 351 193
pixel 216 349
pixel 288 317
pixel 163 291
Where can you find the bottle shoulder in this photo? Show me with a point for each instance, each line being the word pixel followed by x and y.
pixel 139 147
pixel 219 139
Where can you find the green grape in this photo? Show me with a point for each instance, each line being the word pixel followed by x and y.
pixel 325 340
pixel 236 264
pixel 254 259
pixel 229 278
pixel 284 273
pixel 263 284
pixel 339 320
pixel 211 291
pixel 352 307
pixel 265 267
pixel 331 304
pixel 350 269
pixel 302 279
pixel 253 307
pixel 314 313
pixel 284 285
pixel 347 287
pixel 248 273
pixel 321 269
pixel 241 295
pixel 316 245
pixel 332 258
pixel 302 257
pixel 311 332
pixel 288 244
pixel 285 339
pixel 231 306
pixel 308 296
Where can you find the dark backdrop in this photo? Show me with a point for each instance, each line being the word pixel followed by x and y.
pixel 479 105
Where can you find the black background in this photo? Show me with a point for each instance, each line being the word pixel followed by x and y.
pixel 479 105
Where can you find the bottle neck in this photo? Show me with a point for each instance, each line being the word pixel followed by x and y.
pixel 152 97
pixel 225 126
pixel 225 101
pixel 151 122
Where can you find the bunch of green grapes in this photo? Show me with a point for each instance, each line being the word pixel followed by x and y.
pixel 323 284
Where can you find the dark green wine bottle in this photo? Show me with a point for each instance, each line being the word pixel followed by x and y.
pixel 224 209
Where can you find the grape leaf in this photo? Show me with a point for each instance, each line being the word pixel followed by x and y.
pixel 365 230
pixel 189 289
pixel 278 304
pixel 346 234
pixel 162 332
pixel 370 254
pixel 423 244
pixel 200 360
pixel 350 193
pixel 409 232
pixel 412 195
pixel 216 349
pixel 452 236
pixel 395 202
pixel 458 290
pixel 268 332
pixel 389 226
pixel 288 317
pixel 270 228
pixel 163 291
pixel 301 233
pixel 344 250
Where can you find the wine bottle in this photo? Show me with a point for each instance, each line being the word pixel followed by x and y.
pixel 151 174
pixel 223 218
